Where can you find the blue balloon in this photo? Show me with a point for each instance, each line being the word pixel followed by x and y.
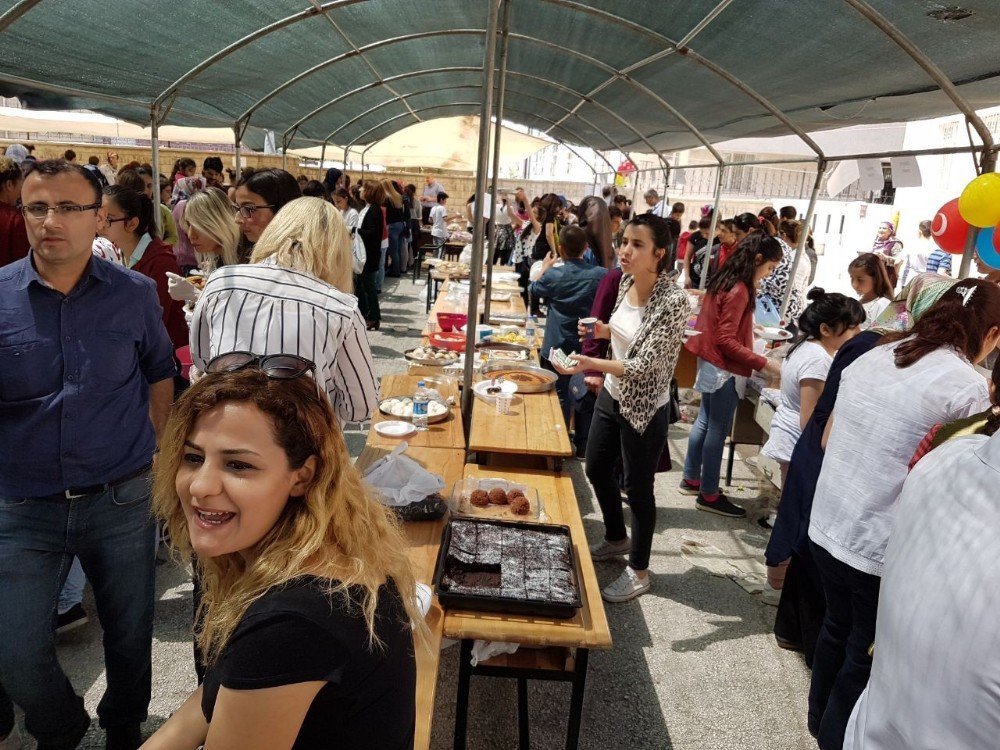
pixel 984 247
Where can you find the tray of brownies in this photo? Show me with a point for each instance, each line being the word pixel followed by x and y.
pixel 511 567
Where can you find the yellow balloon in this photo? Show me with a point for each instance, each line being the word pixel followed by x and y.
pixel 979 203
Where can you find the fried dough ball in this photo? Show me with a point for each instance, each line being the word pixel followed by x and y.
pixel 498 496
pixel 479 498
pixel 515 493
pixel 519 505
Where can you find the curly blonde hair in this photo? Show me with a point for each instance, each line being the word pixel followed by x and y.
pixel 336 524
pixel 308 234
pixel 209 212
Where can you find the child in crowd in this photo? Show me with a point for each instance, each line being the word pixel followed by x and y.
pixel 870 281
pixel 724 347
pixel 829 322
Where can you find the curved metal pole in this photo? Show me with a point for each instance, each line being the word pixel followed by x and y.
pixel 497 134
pixel 930 67
pixel 154 128
pixel 236 142
pixel 475 278
pixel 471 69
pixel 15 12
pixel 322 156
pixel 800 250
pixel 711 230
pixel 676 46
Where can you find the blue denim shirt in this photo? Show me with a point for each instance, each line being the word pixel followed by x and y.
pixel 569 290
pixel 74 377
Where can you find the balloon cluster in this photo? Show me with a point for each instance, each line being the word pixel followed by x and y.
pixel 977 206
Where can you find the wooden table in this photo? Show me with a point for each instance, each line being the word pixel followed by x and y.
pixel 447 434
pixel 588 629
pixel 515 305
pixel 424 539
pixel 534 427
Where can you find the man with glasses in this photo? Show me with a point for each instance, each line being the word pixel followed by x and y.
pixel 86 381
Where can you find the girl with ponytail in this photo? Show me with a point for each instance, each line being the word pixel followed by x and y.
pixel 829 322
pixel 888 400
pixel 130 226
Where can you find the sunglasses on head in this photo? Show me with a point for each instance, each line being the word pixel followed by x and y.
pixel 274 366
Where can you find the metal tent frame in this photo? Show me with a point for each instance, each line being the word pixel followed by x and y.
pixel 496 32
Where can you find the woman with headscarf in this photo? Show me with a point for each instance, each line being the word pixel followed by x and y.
pixel 790 564
pixel 595 220
pixel 890 248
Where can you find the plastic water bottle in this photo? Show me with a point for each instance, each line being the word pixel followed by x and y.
pixel 420 400
pixel 529 329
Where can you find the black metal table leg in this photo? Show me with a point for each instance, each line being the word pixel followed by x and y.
pixel 729 464
pixel 523 737
pixel 576 699
pixel 462 704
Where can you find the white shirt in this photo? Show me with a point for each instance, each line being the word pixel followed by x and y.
pixel 351 217
pixel 935 681
pixel 872 310
pixel 882 414
pixel 266 309
pixel 438 214
pixel 428 196
pixel 624 323
pixel 810 361
pixel 503 218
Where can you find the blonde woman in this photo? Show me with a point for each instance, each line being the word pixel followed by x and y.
pixel 307 594
pixel 211 234
pixel 295 296
pixel 395 218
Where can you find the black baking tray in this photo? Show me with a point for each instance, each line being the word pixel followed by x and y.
pixel 500 604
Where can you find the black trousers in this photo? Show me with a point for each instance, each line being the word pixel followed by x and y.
pixel 802 607
pixel 841 664
pixel 612 437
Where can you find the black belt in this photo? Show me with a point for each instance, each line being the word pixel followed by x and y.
pixel 94 489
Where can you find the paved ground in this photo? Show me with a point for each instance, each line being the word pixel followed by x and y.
pixel 694 666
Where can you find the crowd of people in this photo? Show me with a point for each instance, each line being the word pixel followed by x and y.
pixel 178 354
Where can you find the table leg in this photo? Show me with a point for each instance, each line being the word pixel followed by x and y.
pixel 576 699
pixel 729 464
pixel 427 307
pixel 462 704
pixel 555 463
pixel 523 737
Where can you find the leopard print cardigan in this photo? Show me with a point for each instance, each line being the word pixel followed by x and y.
pixel 652 356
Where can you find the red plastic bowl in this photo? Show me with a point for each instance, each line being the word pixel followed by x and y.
pixel 451 321
pixel 453 341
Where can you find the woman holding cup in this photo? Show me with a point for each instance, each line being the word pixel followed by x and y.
pixel 631 415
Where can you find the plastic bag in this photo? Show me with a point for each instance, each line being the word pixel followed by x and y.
pixel 766 314
pixel 401 480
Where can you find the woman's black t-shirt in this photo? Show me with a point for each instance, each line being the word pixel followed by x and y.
pixel 298 633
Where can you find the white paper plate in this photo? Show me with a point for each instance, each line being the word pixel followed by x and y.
pixel 394 429
pixel 506 386
pixel 780 335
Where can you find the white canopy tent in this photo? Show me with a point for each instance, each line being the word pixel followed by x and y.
pixel 446 143
pixel 18 120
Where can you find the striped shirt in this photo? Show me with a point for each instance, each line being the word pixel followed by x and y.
pixel 267 309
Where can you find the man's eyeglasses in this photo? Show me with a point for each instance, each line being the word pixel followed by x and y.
pixel 40 210
pixel 247 211
pixel 274 366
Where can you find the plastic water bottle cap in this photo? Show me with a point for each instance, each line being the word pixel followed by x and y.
pixel 420 384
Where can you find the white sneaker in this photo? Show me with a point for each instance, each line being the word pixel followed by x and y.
pixel 12 741
pixel 627 586
pixel 606 550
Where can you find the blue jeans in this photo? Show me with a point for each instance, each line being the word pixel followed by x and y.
pixel 708 436
pixel 396 252
pixel 113 535
pixel 72 590
pixel 381 271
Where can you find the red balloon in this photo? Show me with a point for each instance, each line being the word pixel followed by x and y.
pixel 949 229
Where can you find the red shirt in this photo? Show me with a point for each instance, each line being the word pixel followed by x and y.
pixel 726 338
pixel 682 245
pixel 724 251
pixel 13 236
pixel 154 263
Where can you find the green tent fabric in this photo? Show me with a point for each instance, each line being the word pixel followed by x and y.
pixel 354 71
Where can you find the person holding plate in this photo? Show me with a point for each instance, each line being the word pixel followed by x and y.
pixel 631 415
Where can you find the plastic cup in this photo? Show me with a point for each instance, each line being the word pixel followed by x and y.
pixel 503 403
pixel 589 324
